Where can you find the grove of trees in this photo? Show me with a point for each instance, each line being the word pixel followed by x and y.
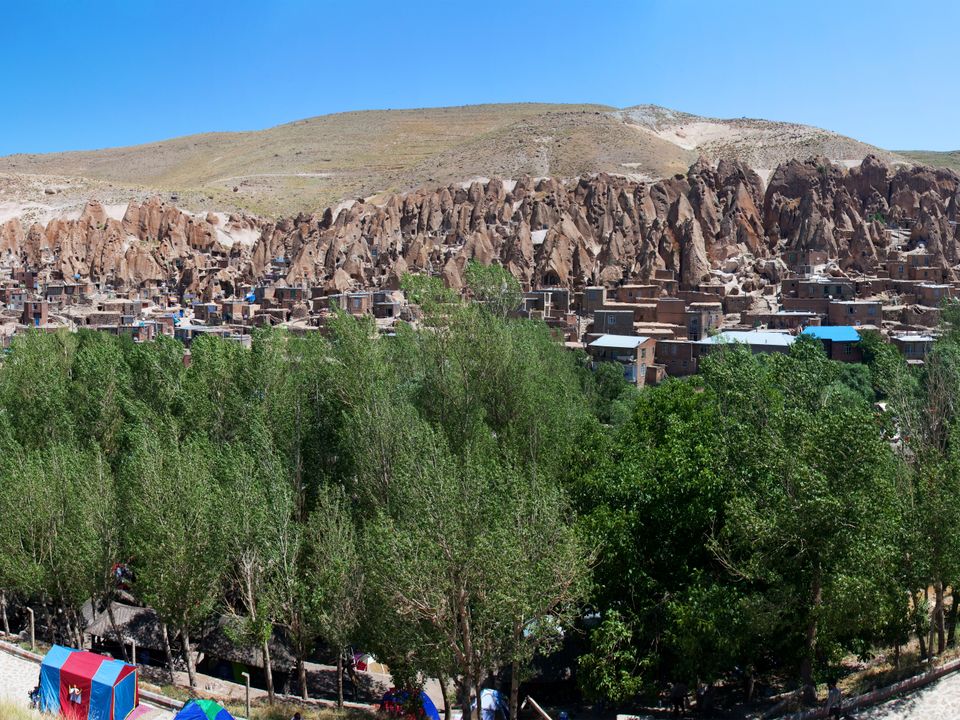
pixel 461 498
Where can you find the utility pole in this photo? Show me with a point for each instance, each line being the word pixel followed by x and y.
pixel 33 634
pixel 246 677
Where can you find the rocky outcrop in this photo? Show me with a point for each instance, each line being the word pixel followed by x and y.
pixel 816 205
pixel 600 229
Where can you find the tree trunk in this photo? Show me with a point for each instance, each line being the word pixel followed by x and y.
pixel 268 671
pixel 921 633
pixel 749 686
pixel 50 628
pixel 77 624
pixel 446 700
pixel 471 673
pixel 116 632
pixel 896 655
pixel 6 620
pixel 810 642
pixel 302 675
pixel 464 692
pixel 188 656
pixel 477 683
pixel 952 618
pixel 514 688
pixel 166 649
pixel 938 613
pixel 340 680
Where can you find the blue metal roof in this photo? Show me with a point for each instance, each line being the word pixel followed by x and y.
pixel 834 333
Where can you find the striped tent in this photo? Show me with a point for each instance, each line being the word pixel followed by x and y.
pixel 82 685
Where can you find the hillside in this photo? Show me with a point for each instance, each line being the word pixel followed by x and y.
pixel 309 164
pixel 949 159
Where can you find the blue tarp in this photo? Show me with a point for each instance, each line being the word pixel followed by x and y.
pixel 834 333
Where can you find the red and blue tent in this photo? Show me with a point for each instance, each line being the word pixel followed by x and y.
pixel 85 686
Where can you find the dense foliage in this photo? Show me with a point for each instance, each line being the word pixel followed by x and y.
pixel 460 498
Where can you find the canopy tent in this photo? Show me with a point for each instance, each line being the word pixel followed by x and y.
pixel 82 685
pixel 203 710
pixel 396 703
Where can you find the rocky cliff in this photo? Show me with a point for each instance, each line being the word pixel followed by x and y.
pixel 713 221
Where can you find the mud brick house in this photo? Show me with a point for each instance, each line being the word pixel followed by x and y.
pixel 701 318
pixel 780 319
pixel 825 287
pixel 672 310
pixel 677 357
pixel 613 322
pixel 758 341
pixel 933 294
pixel 854 312
pixel 637 293
pixel 841 342
pixel 35 313
pixel 387 303
pixel 357 303
pixel 914 347
pixel 594 298
pixel 236 311
pixel 804 262
pixel 536 301
pixel 286 296
pixel 634 352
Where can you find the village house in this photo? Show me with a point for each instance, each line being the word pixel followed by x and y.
pixel 839 341
pixel 854 312
pixel 35 313
pixel 701 318
pixel 677 357
pixel 913 346
pixel 634 353
pixel 758 341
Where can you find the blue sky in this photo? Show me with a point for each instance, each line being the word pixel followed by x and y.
pixel 92 74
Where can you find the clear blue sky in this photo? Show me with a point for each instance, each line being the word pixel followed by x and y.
pixel 92 74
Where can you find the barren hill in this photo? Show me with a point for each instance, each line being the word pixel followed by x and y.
pixel 309 164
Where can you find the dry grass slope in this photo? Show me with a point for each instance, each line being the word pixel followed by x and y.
pixel 949 159
pixel 309 164
pixel 10 711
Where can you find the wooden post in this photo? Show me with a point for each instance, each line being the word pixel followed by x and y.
pixel 33 632
pixel 246 678
pixel 133 652
pixel 540 711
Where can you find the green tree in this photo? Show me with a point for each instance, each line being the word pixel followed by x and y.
pixel 174 508
pixel 494 287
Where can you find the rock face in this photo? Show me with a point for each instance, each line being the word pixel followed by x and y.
pixel 815 205
pixel 593 230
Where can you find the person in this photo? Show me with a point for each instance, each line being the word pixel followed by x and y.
pixel 34 698
pixel 835 701
pixel 678 699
